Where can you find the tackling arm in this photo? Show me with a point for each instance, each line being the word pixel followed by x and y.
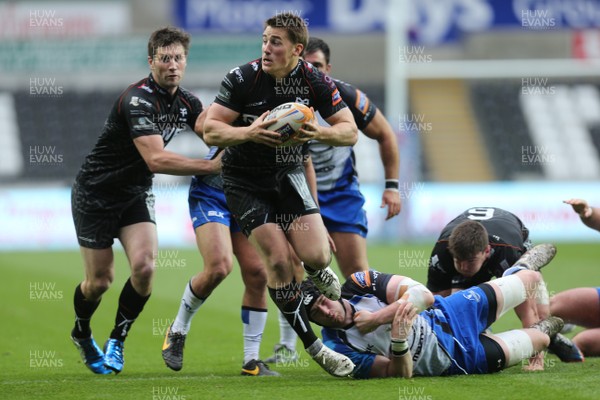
pixel 161 161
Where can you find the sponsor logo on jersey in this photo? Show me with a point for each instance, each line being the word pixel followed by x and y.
pixel 238 74
pixel 224 94
pixel 362 102
pixel 307 299
pixel 142 123
pixel 302 101
pixel 145 87
pixel 362 279
pixel 254 65
pixel 335 97
pixel 471 295
pixel 136 101
pixel 258 103
pixel 183 111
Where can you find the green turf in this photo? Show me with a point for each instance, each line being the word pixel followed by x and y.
pixel 37 359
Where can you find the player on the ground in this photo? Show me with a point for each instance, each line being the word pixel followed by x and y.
pixel 391 325
pixel 340 200
pixel 112 194
pixel 480 244
pixel 265 185
pixel 581 306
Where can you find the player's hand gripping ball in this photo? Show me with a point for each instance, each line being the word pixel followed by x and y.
pixel 290 118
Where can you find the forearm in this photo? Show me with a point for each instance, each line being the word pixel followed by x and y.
pixel 170 163
pixel 217 133
pixel 390 157
pixel 401 360
pixel 340 134
pixel 386 314
pixel 593 221
pixel 401 366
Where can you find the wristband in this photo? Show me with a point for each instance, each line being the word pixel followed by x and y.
pixel 392 184
pixel 399 347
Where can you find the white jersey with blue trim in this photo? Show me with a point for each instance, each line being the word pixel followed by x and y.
pixel 334 165
pixel 212 180
pixel 429 359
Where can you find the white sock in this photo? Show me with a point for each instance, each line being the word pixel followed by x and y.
pixel 188 307
pixel 287 335
pixel 254 321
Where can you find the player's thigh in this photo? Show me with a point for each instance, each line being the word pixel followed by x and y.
pixel 588 342
pixel 214 243
pixel 580 306
pixel 309 240
pixel 250 261
pixel 99 265
pixel 140 242
pixel 351 253
pixel 272 245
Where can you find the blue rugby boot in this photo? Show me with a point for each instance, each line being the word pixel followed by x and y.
pixel 113 355
pixel 91 355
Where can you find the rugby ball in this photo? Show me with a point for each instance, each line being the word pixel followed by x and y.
pixel 290 118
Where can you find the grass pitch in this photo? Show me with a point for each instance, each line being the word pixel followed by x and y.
pixel 38 360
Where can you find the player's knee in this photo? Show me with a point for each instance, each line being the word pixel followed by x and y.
pixel 529 278
pixel 98 285
pixel 588 347
pixel 218 269
pixel 145 273
pixel 254 276
pixel 318 259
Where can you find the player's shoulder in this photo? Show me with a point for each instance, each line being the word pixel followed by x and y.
pixel 139 95
pixel 189 97
pixel 313 75
pixel 344 86
pixel 246 71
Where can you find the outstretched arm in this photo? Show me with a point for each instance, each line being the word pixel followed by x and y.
pixel 161 161
pixel 589 215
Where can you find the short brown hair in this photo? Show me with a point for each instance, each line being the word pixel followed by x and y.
pixel 168 36
pixel 295 27
pixel 467 239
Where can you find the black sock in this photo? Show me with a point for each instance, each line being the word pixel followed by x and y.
pixel 84 309
pixel 289 300
pixel 131 305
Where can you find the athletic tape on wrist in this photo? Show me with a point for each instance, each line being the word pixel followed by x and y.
pixel 399 347
pixel 392 184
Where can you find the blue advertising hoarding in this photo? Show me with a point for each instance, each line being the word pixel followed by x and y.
pixel 431 22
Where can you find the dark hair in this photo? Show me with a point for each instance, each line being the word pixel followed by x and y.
pixel 310 294
pixel 295 27
pixel 315 44
pixel 168 36
pixel 467 239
